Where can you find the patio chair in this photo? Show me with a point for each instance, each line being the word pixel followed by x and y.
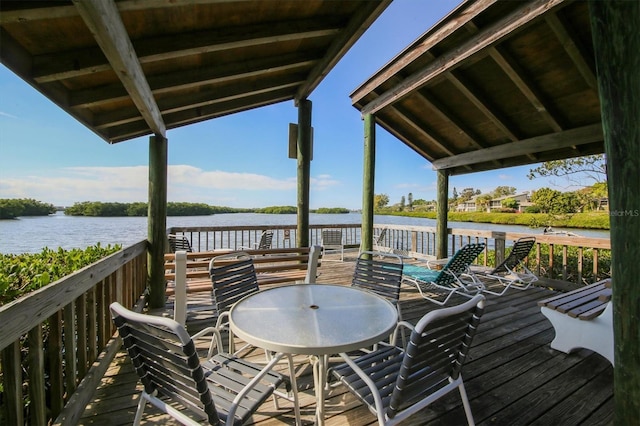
pixel 378 241
pixel 511 273
pixel 453 278
pixel 222 390
pixel 396 383
pixel 332 239
pixel 233 276
pixel 264 244
pixel 179 242
pixel 380 273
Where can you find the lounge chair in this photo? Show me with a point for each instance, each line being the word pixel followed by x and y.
pixel 378 241
pixel 332 240
pixel 511 273
pixel 396 383
pixel 453 278
pixel 266 239
pixel 222 390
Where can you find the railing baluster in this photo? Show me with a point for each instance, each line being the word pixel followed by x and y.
pixel 37 406
pixel 54 356
pixel 81 318
pixel 12 380
pixel 70 368
pixel 580 255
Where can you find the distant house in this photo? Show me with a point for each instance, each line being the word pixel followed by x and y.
pixel 467 206
pixel 523 199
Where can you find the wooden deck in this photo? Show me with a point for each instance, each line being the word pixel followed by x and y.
pixel 512 377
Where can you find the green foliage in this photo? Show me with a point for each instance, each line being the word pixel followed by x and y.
pixel 591 220
pixel 10 208
pixel 501 191
pixel 331 210
pixel 556 202
pixel 510 203
pixel 593 167
pixel 380 201
pixel 96 208
pixel 278 210
pixel 23 273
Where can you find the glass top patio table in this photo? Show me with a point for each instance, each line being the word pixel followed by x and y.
pixel 313 319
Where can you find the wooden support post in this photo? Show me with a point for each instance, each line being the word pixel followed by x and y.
pixel 442 236
pixel 157 219
pixel 499 239
pixel 616 42
pixel 368 186
pixel 304 171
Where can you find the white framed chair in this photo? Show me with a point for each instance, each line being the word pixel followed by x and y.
pixel 379 239
pixel 179 242
pixel 331 239
pixel 221 390
pixel 266 239
pixel 233 276
pixel 511 273
pixel 396 383
pixel 438 286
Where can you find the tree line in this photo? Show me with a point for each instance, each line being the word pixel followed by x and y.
pixel 13 208
pixel 10 208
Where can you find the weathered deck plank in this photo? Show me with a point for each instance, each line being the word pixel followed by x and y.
pixel 512 376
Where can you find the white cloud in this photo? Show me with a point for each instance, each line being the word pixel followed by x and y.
pixel 128 184
pixel 5 114
pixel 503 176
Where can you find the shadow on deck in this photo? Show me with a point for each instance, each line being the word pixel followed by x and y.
pixel 512 376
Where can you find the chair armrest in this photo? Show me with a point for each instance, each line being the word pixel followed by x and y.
pixel 370 384
pixel 249 386
pixel 394 335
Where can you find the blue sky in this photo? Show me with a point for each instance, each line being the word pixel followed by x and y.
pixel 238 160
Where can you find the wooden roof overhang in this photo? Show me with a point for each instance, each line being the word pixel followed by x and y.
pixel 494 84
pixel 130 68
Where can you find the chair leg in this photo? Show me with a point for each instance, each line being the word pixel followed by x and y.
pixel 294 389
pixel 465 403
pixel 140 411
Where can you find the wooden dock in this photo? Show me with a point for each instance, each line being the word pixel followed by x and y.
pixel 512 376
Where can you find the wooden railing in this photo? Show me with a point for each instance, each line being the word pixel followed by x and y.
pixel 207 238
pixel 575 259
pixel 59 338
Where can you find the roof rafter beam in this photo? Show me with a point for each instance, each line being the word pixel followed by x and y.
pixel 420 47
pixel 136 129
pixel 367 13
pixel 104 22
pixel 486 38
pixel 171 104
pixel 38 13
pixel 526 86
pixel 185 79
pixel 573 49
pixel 568 138
pixel 419 129
pixel 446 115
pixel 480 102
pixel 58 66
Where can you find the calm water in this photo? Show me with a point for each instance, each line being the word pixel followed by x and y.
pixel 31 234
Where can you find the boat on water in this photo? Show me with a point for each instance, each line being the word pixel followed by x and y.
pixel 550 231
